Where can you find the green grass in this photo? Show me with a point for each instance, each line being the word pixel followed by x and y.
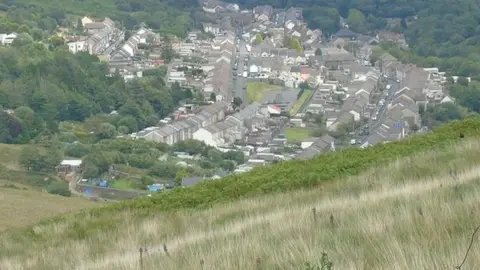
pixel 297 134
pixel 300 102
pixel 256 91
pixel 122 184
pixel 169 216
pixel 407 213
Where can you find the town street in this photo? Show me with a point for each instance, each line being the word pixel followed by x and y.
pixel 240 82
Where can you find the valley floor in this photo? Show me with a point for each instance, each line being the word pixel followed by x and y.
pixel 415 213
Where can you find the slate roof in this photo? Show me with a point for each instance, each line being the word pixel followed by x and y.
pixel 322 144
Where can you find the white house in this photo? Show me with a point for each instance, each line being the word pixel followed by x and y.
pixel 7 39
pixel 77 46
pixel 211 28
pixel 262 18
pixel 289 25
pixel 86 20
pixel 206 136
pixel 254 69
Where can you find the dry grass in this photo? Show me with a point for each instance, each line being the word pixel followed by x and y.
pixel 20 207
pixel 9 154
pixel 411 214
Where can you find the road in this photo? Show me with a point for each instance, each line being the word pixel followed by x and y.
pixel 240 82
pixel 382 115
pixel 112 48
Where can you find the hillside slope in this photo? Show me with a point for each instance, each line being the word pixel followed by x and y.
pixel 109 237
pixel 22 202
pixel 21 207
pixel 414 213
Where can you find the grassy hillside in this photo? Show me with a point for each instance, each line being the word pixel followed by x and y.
pixel 21 206
pixel 22 201
pixel 411 214
pixel 9 154
pixel 359 199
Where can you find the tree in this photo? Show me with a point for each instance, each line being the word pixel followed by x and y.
pixel 56 41
pixel 236 156
pixel 462 81
pixel 146 180
pixel 164 170
pixel 123 130
pixel 77 150
pixel 106 131
pixel 32 124
pixel 213 97
pixel 297 46
pixel 129 122
pixel 37 159
pixel 303 86
pixel 80 24
pixel 10 128
pixel 228 165
pixel 318 51
pixel 59 188
pixel 180 175
pixel 237 102
pixel 95 164
pixel 258 39
pixel 214 155
pixel 128 34
pixel 167 51
pixel 356 20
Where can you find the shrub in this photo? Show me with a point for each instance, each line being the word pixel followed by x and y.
pixel 77 150
pixel 59 188
pixel 293 175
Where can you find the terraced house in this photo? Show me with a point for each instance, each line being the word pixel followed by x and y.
pixel 176 131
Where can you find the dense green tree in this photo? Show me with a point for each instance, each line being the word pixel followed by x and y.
pixel 95 164
pixel 237 102
pixel 106 131
pixel 356 20
pixel 40 160
pixel 77 150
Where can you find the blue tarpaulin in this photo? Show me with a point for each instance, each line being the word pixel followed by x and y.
pixel 155 188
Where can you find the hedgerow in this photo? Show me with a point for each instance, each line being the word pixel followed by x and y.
pixel 294 175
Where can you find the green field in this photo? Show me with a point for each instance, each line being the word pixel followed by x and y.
pixel 297 134
pixel 300 102
pixel 405 204
pixel 256 91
